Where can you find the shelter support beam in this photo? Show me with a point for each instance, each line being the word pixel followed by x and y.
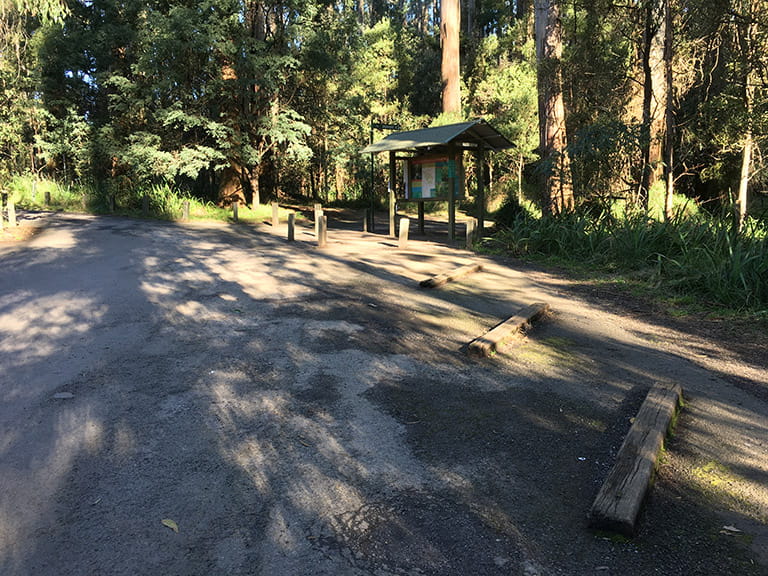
pixel 480 173
pixel 452 195
pixel 391 189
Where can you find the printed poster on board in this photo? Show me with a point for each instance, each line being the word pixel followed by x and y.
pixel 430 177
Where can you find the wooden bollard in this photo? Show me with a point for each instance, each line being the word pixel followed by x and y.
pixel 291 227
pixel 471 224
pixel 185 210
pixel 405 224
pixel 1 211
pixel 144 205
pixel 322 231
pixel 318 216
pixel 365 221
pixel 235 210
pixel 47 197
pixel 275 215
pixel 11 213
pixel 112 203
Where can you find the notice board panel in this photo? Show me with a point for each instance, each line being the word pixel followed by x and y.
pixel 430 178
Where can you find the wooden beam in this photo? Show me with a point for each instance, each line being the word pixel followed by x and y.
pixel 440 279
pixel 491 342
pixel 391 194
pixel 618 503
pixel 480 175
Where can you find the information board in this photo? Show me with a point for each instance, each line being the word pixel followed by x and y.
pixel 430 177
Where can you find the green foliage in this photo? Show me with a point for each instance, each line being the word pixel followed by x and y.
pixel 30 192
pixel 602 154
pixel 690 255
pixel 504 91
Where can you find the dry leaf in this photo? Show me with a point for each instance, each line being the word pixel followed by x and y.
pixel 170 524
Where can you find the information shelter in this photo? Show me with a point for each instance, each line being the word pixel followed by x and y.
pixel 433 165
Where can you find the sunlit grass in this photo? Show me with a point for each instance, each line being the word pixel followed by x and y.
pixel 694 256
pixel 164 201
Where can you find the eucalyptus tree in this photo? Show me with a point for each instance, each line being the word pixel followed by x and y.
pixel 19 111
pixel 557 189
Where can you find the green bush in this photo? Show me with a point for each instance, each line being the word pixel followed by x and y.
pixel 693 254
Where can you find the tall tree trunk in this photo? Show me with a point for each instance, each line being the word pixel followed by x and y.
pixel 450 25
pixel 653 86
pixel 360 12
pixel 557 187
pixel 750 83
pixel 669 132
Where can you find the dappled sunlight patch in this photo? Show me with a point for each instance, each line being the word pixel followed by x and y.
pixel 31 321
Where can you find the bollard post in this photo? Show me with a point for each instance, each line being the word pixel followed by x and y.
pixel 185 210
pixel 112 203
pixel 470 232
pixel 405 224
pixel 235 208
pixel 322 231
pixel 318 215
pixel 1 211
pixel 291 227
pixel 275 215
pixel 47 198
pixel 365 221
pixel 11 213
pixel 145 205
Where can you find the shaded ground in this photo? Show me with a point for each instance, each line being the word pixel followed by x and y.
pixel 304 411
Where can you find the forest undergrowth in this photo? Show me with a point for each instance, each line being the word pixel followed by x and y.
pixel 694 262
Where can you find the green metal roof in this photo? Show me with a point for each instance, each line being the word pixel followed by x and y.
pixel 473 135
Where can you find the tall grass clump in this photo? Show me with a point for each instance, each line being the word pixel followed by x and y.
pixel 694 255
pixel 34 193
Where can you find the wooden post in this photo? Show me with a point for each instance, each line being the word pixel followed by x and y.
pixel 480 171
pixel 185 210
pixel 365 221
pixel 11 213
pixel 47 197
pixel 235 208
pixel 322 231
pixel 275 215
pixel 291 227
pixel 421 218
pixel 1 211
pixel 452 197
pixel 318 216
pixel 112 204
pixel 391 189
pixel 470 232
pixel 145 205
pixel 405 225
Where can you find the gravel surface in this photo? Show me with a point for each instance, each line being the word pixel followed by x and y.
pixel 209 399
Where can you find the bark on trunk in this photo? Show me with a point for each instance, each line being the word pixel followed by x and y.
pixel 653 96
pixel 750 82
pixel 450 23
pixel 669 133
pixel 557 189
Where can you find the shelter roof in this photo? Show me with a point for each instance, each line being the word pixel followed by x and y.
pixel 468 135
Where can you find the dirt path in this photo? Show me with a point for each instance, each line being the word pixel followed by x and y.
pixel 299 411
